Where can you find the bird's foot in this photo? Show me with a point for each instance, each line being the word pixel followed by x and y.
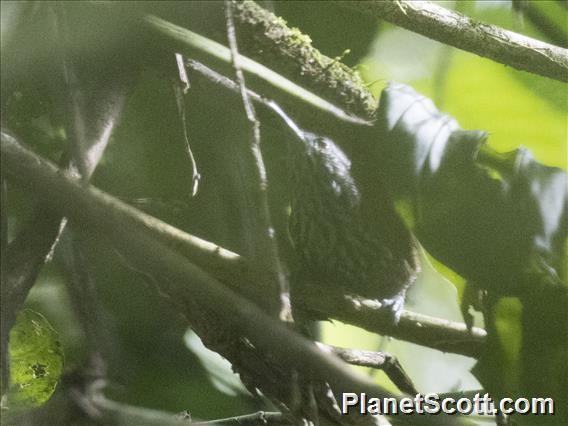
pixel 393 307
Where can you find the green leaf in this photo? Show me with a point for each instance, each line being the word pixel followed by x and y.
pixel 514 107
pixel 503 352
pixel 36 362
pixel 498 220
pixel 493 218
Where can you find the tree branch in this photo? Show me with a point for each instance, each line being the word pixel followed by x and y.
pixel 289 52
pixel 437 333
pixel 258 418
pixel 377 360
pixel 196 46
pixel 490 41
pixel 261 242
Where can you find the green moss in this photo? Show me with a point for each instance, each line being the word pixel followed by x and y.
pixel 288 51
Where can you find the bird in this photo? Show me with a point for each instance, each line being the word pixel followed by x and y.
pixel 339 245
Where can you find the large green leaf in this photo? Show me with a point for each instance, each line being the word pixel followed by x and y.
pixel 494 218
pixel 36 362
pixel 499 220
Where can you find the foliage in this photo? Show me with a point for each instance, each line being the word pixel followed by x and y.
pixel 517 210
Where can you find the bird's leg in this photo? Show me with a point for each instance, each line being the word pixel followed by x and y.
pixel 394 306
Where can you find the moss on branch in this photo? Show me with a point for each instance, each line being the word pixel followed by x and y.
pixel 267 38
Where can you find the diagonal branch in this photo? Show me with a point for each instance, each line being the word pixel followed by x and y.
pixel 378 360
pixel 201 48
pixel 261 240
pixel 454 29
pixel 286 50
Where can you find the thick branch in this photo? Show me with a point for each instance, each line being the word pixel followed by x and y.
pixel 290 53
pixel 490 41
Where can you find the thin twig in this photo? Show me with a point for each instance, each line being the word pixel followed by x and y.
pixel 232 38
pixel 265 250
pixel 180 89
pixel 267 104
pixel 197 46
pixel 121 413
pixel 378 360
pixel 441 334
pixel 258 418
pixel 454 29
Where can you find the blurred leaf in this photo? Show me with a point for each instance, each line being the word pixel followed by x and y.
pixel 448 273
pixel 504 350
pixel 514 107
pixel 220 371
pixel 547 17
pixel 11 12
pixel 36 362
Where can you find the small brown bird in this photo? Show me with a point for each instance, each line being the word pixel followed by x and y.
pixel 339 247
